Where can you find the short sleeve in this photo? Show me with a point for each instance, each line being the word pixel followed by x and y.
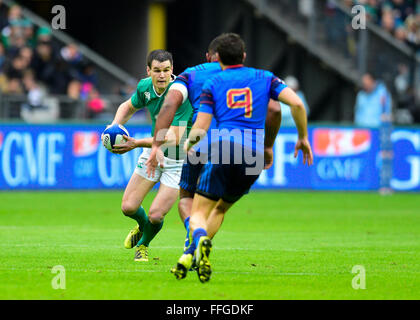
pixel 276 87
pixel 207 99
pixel 183 78
pixel 136 98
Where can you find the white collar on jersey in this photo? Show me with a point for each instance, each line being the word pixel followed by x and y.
pixel 173 78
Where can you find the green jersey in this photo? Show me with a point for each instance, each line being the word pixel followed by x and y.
pixel 146 96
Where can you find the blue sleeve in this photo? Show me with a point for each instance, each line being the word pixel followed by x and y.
pixel 276 87
pixel 183 78
pixel 207 99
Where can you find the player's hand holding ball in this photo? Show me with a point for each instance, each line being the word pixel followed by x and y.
pixel 129 144
pixel 113 135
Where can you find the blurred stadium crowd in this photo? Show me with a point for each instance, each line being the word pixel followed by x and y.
pixel 401 18
pixel 33 64
pixel 30 56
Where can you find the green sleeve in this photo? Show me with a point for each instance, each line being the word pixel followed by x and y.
pixel 137 99
pixel 183 114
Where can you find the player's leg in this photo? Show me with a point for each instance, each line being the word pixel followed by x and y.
pixel 214 220
pixel 216 217
pixel 201 209
pixel 134 194
pixel 210 188
pixel 203 206
pixel 188 183
pixel 227 182
pixel 187 186
pixel 238 184
pixel 138 186
pixel 185 204
pixel 162 203
pixel 184 209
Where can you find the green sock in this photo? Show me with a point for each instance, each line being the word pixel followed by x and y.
pixel 141 217
pixel 149 232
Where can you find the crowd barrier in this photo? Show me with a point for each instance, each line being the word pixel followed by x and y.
pixel 42 157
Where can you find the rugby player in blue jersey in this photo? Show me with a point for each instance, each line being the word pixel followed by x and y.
pixel 237 98
pixel 188 85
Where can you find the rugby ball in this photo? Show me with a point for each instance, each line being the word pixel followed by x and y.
pixel 114 135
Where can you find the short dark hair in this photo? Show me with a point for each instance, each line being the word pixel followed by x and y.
pixel 159 55
pixel 212 49
pixel 231 48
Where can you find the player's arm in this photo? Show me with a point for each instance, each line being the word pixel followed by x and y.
pixel 204 116
pixel 272 123
pixel 289 97
pixel 199 130
pixel 272 126
pixel 172 138
pixel 175 97
pixel 124 113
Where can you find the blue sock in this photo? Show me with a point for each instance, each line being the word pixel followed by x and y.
pixel 198 233
pixel 190 248
pixel 187 224
pixel 187 237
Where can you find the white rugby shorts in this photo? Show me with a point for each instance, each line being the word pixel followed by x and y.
pixel 169 175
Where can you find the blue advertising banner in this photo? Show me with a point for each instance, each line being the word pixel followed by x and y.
pixel 72 157
pixel 344 159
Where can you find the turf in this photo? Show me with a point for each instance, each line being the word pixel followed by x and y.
pixel 272 245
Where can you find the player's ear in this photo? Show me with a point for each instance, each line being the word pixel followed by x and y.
pixel 208 58
pixel 148 71
pixel 244 57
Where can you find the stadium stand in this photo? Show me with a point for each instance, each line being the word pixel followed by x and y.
pixel 45 78
pixel 388 47
pixel 69 78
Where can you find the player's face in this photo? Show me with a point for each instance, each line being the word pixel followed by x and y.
pixel 368 83
pixel 160 72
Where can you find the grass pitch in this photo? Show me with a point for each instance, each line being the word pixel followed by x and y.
pixel 272 245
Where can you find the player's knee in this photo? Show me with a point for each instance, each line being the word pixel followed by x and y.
pixel 184 194
pixel 128 208
pixel 221 208
pixel 184 206
pixel 156 215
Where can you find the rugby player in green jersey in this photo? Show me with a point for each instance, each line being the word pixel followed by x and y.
pixel 150 94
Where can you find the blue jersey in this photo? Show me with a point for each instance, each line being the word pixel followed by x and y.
pixel 238 98
pixel 193 79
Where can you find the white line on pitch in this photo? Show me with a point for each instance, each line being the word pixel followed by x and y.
pixel 221 248
pixel 161 271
